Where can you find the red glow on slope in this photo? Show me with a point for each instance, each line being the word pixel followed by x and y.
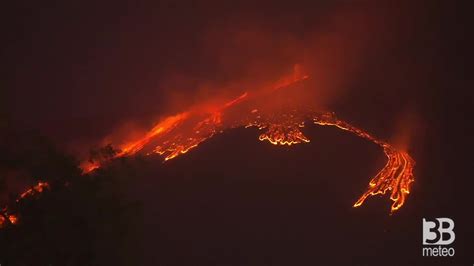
pixel 282 123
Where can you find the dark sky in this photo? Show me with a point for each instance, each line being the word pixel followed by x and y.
pixel 78 72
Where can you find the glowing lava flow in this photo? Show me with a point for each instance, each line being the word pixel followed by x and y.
pixel 396 176
pixel 5 214
pixel 37 189
pixel 283 130
pixel 177 134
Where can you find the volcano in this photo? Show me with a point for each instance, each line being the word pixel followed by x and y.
pixel 271 109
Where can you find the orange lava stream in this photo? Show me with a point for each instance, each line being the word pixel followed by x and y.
pixel 5 214
pixel 283 130
pixel 396 176
pixel 275 136
pixel 38 188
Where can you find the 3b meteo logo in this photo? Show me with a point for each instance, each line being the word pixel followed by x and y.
pixel 438 232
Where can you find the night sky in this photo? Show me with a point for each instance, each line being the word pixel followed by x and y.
pixel 77 73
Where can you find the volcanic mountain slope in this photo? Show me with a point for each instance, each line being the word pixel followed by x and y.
pixel 280 110
pixel 240 200
pixel 232 201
